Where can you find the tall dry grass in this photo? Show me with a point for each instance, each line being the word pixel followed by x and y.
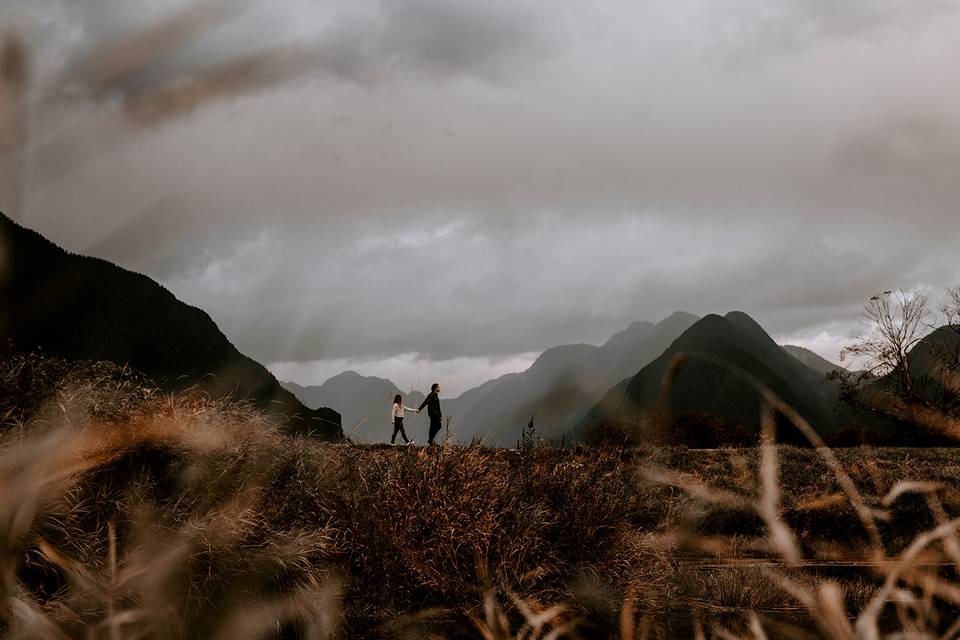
pixel 125 512
pixel 119 518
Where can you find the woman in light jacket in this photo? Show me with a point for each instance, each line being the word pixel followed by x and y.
pixel 397 413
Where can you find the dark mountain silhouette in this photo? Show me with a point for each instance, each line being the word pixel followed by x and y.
pixel 363 402
pixel 935 369
pixel 563 384
pixel 937 357
pixel 812 359
pixel 705 389
pixel 82 308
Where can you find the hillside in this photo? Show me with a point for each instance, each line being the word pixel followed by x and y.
pixel 924 414
pixel 564 383
pixel 812 359
pixel 377 537
pixel 81 308
pixel 705 388
pixel 936 358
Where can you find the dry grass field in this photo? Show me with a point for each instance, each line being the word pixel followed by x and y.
pixel 127 513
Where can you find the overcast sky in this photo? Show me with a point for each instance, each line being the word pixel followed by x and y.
pixel 425 189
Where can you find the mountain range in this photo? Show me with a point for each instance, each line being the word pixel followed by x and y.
pixel 563 383
pixel 556 391
pixel 812 359
pixel 711 366
pixel 695 376
pixel 571 387
pixel 364 403
pixel 81 308
pixel 721 355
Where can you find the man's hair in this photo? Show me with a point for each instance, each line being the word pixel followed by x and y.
pixel 434 386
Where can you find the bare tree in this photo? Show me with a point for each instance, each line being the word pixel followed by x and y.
pixel 948 350
pixel 897 322
pixel 950 308
pixel 911 360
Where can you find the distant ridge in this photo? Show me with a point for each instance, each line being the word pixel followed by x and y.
pixel 558 389
pixel 83 308
pixel 564 383
pixel 707 388
pixel 363 402
pixel 812 359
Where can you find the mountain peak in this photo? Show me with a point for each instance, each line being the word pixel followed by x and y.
pixel 679 317
pixel 812 359
pixel 743 319
pixel 80 308
pixel 704 385
pixel 637 330
pixel 562 355
pixel 751 326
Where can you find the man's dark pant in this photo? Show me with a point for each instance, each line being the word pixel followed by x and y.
pixel 435 426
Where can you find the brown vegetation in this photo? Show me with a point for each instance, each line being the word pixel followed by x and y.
pixel 129 513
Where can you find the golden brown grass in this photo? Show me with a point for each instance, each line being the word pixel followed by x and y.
pixel 128 513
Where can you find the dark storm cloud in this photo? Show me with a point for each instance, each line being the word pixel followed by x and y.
pixel 133 47
pixel 487 179
pixel 487 38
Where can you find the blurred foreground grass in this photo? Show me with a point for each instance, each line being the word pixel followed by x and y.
pixel 128 513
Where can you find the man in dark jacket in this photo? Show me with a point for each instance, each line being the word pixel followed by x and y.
pixel 432 403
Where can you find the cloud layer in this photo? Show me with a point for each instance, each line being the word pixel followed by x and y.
pixel 481 180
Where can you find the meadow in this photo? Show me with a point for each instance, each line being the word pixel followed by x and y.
pixel 129 513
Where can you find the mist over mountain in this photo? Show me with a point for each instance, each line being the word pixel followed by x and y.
pixel 704 387
pixel 563 384
pixel 813 360
pixel 364 403
pixel 81 308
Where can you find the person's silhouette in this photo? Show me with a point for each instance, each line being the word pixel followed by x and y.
pixel 397 413
pixel 432 403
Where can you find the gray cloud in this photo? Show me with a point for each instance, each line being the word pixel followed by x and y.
pixel 482 180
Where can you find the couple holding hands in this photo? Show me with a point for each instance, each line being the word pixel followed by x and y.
pixel 431 402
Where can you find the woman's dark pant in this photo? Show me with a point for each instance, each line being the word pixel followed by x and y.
pixel 398 428
pixel 435 426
